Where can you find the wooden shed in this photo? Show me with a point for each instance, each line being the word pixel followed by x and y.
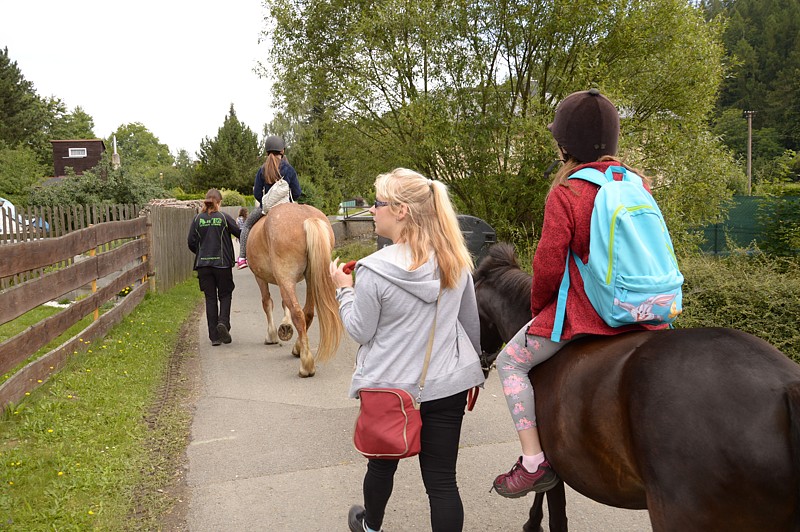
pixel 80 155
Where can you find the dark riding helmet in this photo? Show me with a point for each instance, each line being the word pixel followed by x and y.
pixel 586 125
pixel 274 144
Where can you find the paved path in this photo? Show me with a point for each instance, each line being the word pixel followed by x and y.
pixel 271 451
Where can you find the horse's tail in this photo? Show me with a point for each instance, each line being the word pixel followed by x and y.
pixel 793 399
pixel 321 288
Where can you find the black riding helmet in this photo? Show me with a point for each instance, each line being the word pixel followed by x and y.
pixel 274 144
pixel 586 125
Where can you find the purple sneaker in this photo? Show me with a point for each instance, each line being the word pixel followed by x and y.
pixel 519 481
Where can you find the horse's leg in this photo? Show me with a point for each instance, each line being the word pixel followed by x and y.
pixel 535 516
pixel 266 304
pixel 557 507
pixel 299 320
pixel 285 330
pixel 308 312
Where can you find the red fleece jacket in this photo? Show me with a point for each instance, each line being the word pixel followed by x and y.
pixel 567 218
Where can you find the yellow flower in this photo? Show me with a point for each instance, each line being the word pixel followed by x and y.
pixel 10 482
pixel 49 430
pixel 60 473
pixel 91 512
pixel 39 380
pixel 27 393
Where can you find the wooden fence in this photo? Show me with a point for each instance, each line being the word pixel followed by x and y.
pixel 97 250
pixel 173 263
pixel 111 254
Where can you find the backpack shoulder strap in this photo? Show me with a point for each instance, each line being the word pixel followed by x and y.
pixel 561 303
pixel 601 178
pixel 591 175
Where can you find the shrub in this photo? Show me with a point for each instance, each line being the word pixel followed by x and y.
pixel 751 292
pixel 231 198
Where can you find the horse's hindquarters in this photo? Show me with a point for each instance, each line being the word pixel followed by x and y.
pixel 692 424
pixel 581 418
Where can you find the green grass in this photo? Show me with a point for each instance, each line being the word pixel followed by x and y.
pixel 87 450
pixel 78 453
pixel 16 326
pixel 355 249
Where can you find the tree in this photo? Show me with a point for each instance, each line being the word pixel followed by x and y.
pixel 20 169
pixel 139 149
pixel 463 91
pixel 764 53
pixel 20 107
pixel 229 160
pixel 65 125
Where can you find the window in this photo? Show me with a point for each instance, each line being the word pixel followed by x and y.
pixel 77 152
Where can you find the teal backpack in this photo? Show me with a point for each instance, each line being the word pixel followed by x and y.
pixel 632 274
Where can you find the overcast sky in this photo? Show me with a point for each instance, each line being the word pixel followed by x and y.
pixel 173 65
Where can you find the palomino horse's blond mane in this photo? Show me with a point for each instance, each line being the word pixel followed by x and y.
pixel 294 242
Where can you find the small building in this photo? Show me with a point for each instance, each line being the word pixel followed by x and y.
pixel 80 155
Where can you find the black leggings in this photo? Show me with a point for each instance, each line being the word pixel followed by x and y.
pixel 441 432
pixel 217 285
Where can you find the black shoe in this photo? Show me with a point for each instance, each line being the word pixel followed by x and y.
pixel 355 519
pixel 215 342
pixel 222 332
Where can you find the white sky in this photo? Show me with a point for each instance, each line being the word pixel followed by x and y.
pixel 173 65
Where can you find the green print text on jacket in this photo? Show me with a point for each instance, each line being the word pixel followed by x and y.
pixel 210 240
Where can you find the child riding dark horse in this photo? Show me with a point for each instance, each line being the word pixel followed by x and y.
pixel 586 130
pixel 701 427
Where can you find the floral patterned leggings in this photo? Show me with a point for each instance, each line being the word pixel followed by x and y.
pixel 521 354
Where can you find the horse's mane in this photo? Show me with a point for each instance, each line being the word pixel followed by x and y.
pixel 501 268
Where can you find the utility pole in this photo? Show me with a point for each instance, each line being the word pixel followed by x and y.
pixel 749 116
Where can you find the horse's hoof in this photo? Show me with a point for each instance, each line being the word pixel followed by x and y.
pixel 285 332
pixel 306 375
pixel 267 341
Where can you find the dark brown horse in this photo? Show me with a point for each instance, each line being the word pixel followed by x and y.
pixel 701 427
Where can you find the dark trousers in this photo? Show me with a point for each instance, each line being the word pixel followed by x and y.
pixel 217 285
pixel 441 432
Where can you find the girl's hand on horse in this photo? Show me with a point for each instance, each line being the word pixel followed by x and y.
pixel 340 278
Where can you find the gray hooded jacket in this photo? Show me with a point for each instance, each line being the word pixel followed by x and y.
pixel 391 312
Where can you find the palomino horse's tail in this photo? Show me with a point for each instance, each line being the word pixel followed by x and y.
pixel 321 288
pixel 793 398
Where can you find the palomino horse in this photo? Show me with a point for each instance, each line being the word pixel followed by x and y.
pixel 291 243
pixel 701 427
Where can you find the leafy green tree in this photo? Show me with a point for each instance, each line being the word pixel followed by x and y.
pixel 229 160
pixel 20 107
pixel 66 125
pixel 181 176
pixel 764 53
pixel 139 149
pixel 463 91
pixel 19 171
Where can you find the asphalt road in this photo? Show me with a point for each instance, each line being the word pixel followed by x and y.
pixel 271 451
